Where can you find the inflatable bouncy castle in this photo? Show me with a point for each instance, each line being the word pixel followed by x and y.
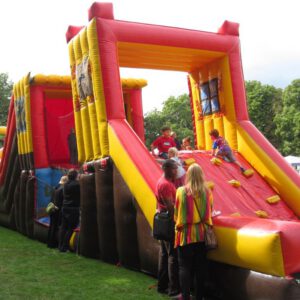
pixel 93 121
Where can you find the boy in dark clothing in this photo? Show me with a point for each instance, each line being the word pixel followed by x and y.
pixel 164 142
pixel 70 210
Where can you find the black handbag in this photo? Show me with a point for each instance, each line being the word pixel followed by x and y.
pixel 163 227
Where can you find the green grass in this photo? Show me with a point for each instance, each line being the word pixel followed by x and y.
pixel 30 270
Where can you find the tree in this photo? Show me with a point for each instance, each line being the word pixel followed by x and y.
pixel 5 94
pixel 176 113
pixel 288 120
pixel 264 103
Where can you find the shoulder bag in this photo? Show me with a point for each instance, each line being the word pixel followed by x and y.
pixel 163 227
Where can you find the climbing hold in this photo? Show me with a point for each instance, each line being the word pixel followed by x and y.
pixel 236 214
pixel 248 173
pixel 216 161
pixel 261 214
pixel 273 199
pixel 234 183
pixel 210 184
pixel 189 161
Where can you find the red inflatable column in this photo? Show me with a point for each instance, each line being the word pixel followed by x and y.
pixel 137 113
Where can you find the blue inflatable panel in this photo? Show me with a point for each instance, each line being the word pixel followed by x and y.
pixel 47 180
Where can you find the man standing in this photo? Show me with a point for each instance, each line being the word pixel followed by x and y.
pixel 168 281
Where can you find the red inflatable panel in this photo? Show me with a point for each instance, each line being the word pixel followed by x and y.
pixel 229 28
pixel 101 10
pixel 11 128
pixel 72 31
pixel 137 151
pixel 38 128
pixel 249 197
pixel 137 113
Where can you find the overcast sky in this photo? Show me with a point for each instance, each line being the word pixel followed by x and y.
pixel 33 37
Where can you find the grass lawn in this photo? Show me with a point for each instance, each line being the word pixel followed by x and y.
pixel 30 270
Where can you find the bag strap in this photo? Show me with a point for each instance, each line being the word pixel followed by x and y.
pixel 196 206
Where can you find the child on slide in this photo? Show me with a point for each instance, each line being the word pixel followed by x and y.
pixel 221 149
pixel 180 177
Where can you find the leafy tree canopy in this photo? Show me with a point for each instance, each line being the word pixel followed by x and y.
pixel 5 94
pixel 176 113
pixel 264 103
pixel 288 120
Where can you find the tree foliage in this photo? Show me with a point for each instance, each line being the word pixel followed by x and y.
pixel 288 120
pixel 264 103
pixel 275 112
pixel 5 94
pixel 176 113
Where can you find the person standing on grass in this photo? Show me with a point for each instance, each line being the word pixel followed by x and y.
pixel 55 216
pixel 70 210
pixel 167 263
pixel 192 214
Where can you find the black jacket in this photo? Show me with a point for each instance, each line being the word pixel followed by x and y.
pixel 71 194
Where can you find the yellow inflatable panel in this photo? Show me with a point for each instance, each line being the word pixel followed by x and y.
pixel 133 178
pixel 88 94
pixel 86 127
pixel 208 126
pixel 133 83
pixel 260 251
pixel 3 130
pixel 98 87
pixel 76 106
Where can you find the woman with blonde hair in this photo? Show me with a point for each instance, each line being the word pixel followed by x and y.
pixel 192 213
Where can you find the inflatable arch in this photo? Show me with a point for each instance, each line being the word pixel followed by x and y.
pixel 212 61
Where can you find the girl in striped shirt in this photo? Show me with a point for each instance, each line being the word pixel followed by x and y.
pixel 192 213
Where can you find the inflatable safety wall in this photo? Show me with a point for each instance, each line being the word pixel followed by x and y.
pixel 36 151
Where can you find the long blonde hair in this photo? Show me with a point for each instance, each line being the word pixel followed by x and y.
pixel 195 180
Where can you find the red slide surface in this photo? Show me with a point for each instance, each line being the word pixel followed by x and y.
pixel 249 197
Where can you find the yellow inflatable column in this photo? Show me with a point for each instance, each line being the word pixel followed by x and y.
pixel 196 107
pixel 98 87
pixel 24 132
pixel 76 106
pixel 229 119
pixel 218 123
pixel 215 73
pixel 87 138
pixel 208 126
pixel 19 110
pixel 26 88
pixel 86 68
pixel 207 120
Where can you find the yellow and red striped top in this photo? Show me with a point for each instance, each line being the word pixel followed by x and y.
pixel 189 224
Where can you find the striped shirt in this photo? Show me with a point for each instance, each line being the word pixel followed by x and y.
pixel 189 225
